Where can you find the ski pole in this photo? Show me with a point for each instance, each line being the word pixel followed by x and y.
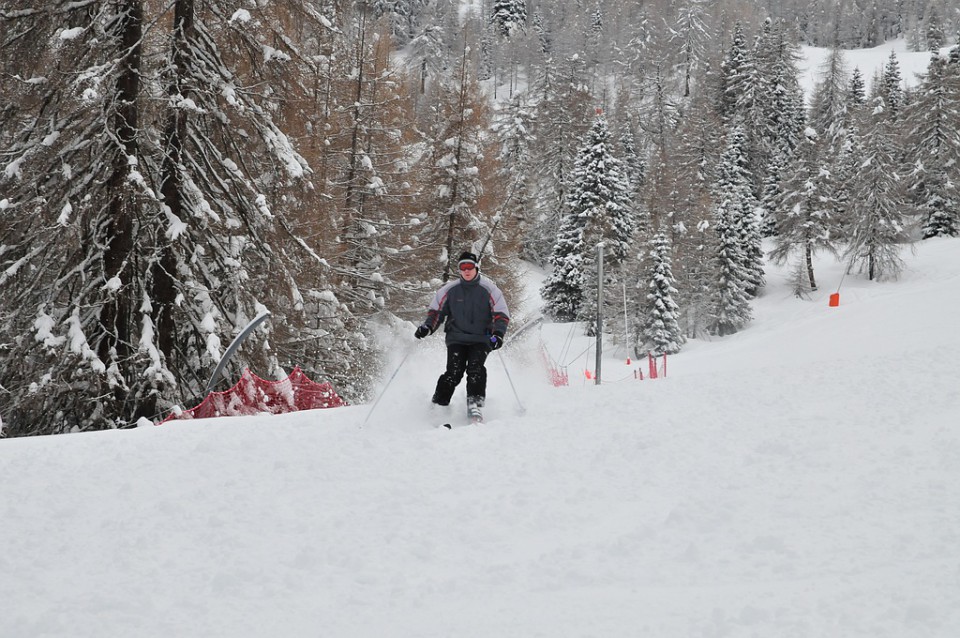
pixel 512 387
pixel 384 390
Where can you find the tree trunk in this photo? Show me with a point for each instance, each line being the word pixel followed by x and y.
pixel 809 257
pixel 164 290
pixel 116 314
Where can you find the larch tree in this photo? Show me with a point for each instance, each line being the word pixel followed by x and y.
pixel 368 176
pixel 933 140
pixel 461 163
pixel 877 230
pixel 828 108
pixel 691 35
pixel 806 225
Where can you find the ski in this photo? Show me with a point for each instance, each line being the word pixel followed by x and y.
pixel 474 417
pixel 451 426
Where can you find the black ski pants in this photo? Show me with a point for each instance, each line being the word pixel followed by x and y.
pixel 463 357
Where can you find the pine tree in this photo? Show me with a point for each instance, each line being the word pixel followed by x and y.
pixel 777 124
pixel 800 279
pixel 597 210
pixel 509 16
pixel 891 88
pixel 771 195
pixel 729 302
pixel 734 195
pixel 857 95
pixel 659 328
pixel 634 164
pixel 563 290
pixel 738 80
pixel 402 16
pixel 635 171
pixel 514 127
pixel 543 36
pixel 601 194
pixel 935 36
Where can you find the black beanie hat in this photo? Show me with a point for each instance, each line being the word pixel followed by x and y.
pixel 468 258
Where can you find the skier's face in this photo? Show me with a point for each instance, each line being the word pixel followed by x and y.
pixel 468 271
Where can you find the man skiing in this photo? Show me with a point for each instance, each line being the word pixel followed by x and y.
pixel 475 318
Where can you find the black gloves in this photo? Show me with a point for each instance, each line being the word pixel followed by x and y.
pixel 422 331
pixel 496 341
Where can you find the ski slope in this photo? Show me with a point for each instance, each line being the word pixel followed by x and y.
pixel 798 479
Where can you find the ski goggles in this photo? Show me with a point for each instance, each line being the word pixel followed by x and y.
pixel 467 266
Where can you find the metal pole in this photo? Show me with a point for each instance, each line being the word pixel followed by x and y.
pixel 384 390
pixel 233 348
pixel 626 323
pixel 599 309
pixel 513 387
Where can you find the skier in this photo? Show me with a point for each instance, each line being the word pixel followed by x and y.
pixel 475 318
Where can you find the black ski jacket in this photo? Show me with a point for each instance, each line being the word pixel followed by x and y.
pixel 471 311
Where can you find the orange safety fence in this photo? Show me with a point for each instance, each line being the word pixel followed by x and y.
pixel 253 395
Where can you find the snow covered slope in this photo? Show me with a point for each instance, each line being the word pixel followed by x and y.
pixel 797 479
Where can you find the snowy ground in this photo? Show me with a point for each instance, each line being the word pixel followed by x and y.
pixel 798 479
pixel 870 62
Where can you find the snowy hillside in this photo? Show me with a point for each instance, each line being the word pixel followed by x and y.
pixel 797 479
pixel 869 61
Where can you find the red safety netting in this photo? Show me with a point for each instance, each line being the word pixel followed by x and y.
pixel 253 395
pixel 557 374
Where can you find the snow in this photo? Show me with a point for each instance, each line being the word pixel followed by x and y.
pixel 71 34
pixel 869 61
pixel 796 479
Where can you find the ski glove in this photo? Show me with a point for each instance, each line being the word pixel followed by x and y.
pixel 422 331
pixel 496 341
